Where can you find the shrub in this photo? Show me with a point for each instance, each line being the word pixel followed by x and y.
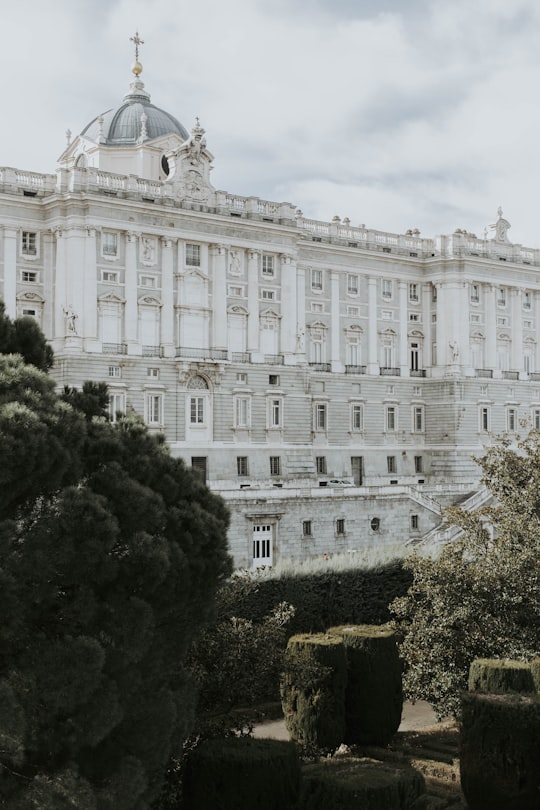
pixel 500 751
pixel 374 696
pixel 358 784
pixel 242 772
pixel 313 690
pixel 497 677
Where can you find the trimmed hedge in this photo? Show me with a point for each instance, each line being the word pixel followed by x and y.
pixel 360 784
pixel 313 690
pixel 500 751
pixel 535 671
pixel 374 694
pixel 498 676
pixel 242 772
pixel 323 599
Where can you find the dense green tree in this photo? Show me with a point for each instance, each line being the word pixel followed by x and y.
pixel 480 596
pixel 23 336
pixel 111 553
pixel 92 399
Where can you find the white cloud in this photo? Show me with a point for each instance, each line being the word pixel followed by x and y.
pixel 397 115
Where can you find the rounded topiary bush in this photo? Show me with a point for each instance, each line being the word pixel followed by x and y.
pixel 238 772
pixel 497 676
pixel 360 784
pixel 313 690
pixel 500 751
pixel 374 695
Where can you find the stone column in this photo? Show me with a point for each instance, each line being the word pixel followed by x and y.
pixel 301 314
pixel 167 297
pixel 10 271
pixel 130 287
pixel 516 314
pixel 373 363
pixel 219 298
pixel 428 328
pixel 403 324
pixel 335 332
pixel 89 327
pixel 288 308
pixel 491 327
pixel 253 303
pixel 60 286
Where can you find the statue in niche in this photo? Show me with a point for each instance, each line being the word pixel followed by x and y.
pixel 70 320
pixel 454 346
pixel 148 249
pixel 235 267
pixel 501 227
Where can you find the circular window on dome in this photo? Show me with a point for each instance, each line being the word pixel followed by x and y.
pixel 375 524
pixel 165 166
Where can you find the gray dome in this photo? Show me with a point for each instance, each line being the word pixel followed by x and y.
pixel 122 125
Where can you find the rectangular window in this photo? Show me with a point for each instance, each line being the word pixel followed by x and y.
pixel 502 320
pixel 526 300
pixel 273 379
pixel 352 285
pixel 418 464
pixel 242 465
pixel 109 243
pixel 353 312
pixel 117 406
pixel 536 418
pixel 199 465
pixel 241 377
pixel 268 295
pixel 148 281
pixel 391 464
pixel 262 546
pixel 414 316
pixel 236 291
pixel 357 417
pixel 193 255
pixel 243 412
pixel 391 418
pixel 387 314
pixel 152 373
pixel 275 413
pixel 386 288
pixel 316 280
pixel 511 420
pixel 414 522
pixel 476 317
pixel 267 265
pixel 29 243
pixel 196 416
pixel 115 371
pixel 475 293
pixel 29 275
pixel 109 276
pixel 154 409
pixel 484 418
pixel 340 526
pixel 275 465
pixel 317 307
pixel 418 419
pixel 527 324
pixel 320 416
pixel 501 297
pixel 306 528
pixel 413 293
pixel 320 464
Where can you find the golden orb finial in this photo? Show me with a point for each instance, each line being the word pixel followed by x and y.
pixel 136 69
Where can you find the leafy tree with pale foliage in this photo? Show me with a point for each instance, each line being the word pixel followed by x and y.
pixel 480 596
pixel 111 553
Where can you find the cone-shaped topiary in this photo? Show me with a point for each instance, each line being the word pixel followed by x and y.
pixel 497 676
pixel 500 751
pixel 359 784
pixel 313 690
pixel 374 696
pixel 239 772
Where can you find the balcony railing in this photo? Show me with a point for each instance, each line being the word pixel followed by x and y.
pixel 387 371
pixel 484 372
pixel 510 375
pixel 241 357
pixel 274 359
pixel 355 369
pixel 114 348
pixel 152 351
pixel 201 354
pixel 320 366
pixel 417 372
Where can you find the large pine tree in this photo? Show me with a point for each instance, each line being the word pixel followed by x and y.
pixel 111 554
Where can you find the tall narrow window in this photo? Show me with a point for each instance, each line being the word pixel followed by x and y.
pixel 275 465
pixel 391 418
pixel 320 416
pixel 267 265
pixel 109 243
pixel 243 412
pixel 386 288
pixel 275 418
pixel 352 285
pixel 418 464
pixel 340 526
pixel 391 464
pixel 357 417
pixel 154 409
pixel 316 280
pixel 484 418
pixel 196 410
pixel 320 464
pixel 418 419
pixel 413 293
pixel 29 243
pixel 242 465
pixel 193 255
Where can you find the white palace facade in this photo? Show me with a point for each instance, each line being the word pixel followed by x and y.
pixel 330 381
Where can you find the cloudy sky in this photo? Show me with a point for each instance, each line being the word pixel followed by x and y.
pixel 396 113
